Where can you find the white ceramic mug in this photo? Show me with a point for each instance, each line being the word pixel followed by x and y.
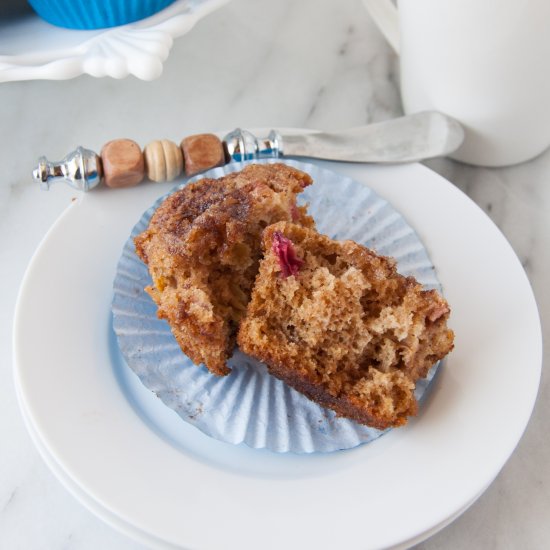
pixel 484 62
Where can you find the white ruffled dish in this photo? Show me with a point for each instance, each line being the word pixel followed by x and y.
pixel 32 49
pixel 249 405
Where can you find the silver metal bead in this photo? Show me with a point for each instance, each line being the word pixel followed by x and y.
pixel 81 169
pixel 243 145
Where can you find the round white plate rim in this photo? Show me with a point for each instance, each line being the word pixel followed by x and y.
pixel 140 536
pixel 442 182
pixel 95 507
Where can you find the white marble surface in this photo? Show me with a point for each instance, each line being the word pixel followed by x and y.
pixel 254 63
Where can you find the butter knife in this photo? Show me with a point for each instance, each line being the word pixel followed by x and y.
pixel 405 139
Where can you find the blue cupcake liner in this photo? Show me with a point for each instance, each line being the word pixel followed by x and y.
pixel 96 14
pixel 249 405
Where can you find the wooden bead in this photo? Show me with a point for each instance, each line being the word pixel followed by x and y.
pixel 163 160
pixel 123 164
pixel 201 152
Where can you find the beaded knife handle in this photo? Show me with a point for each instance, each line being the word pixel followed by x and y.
pixel 122 163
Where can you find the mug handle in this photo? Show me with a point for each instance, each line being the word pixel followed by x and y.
pixel 384 14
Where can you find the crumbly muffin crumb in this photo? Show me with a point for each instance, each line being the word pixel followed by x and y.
pixel 339 324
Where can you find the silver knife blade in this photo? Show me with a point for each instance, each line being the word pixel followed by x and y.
pixel 406 139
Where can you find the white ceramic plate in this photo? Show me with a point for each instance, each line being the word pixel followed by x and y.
pixel 32 49
pixel 157 477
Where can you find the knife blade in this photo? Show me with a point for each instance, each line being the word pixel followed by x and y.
pixel 410 138
pixel 405 139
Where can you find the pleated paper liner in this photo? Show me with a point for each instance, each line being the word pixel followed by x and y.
pixel 250 406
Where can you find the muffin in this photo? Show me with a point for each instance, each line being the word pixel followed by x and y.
pixel 337 322
pixel 203 247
